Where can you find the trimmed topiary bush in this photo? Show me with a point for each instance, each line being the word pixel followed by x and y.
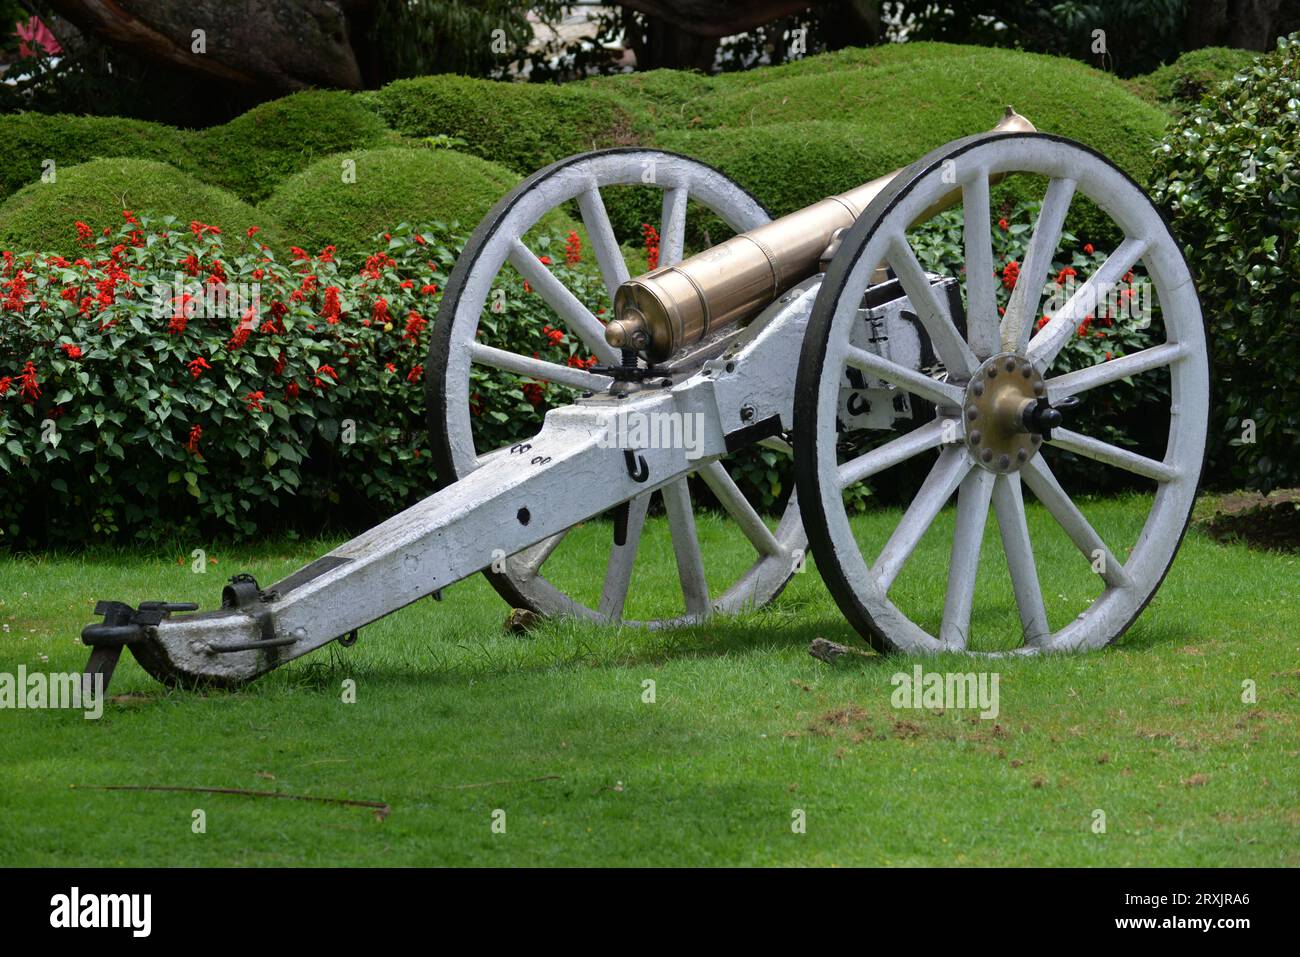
pixel 903 110
pixel 253 153
pixel 522 126
pixel 29 140
pixel 1227 178
pixel 392 185
pixel 1192 75
pixel 767 138
pixel 41 216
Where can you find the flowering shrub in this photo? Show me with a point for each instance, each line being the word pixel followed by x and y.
pixel 173 379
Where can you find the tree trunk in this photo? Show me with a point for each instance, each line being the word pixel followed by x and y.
pixel 1246 24
pixel 282 45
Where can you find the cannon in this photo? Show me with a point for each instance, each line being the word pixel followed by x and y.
pixel 819 336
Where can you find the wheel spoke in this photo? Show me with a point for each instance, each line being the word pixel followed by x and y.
pixel 1022 307
pixel 672 233
pixel 577 317
pixel 531 560
pixel 1043 484
pixel 1108 454
pixel 618 571
pixel 948 343
pixel 892 453
pixel 1104 373
pixel 1009 505
pixel 738 507
pixel 1049 340
pixel 981 292
pixel 972 514
pixel 686 546
pixel 934 493
pixel 609 256
pixel 917 383
pixel 538 368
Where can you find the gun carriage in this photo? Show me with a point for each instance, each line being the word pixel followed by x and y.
pixel 802 334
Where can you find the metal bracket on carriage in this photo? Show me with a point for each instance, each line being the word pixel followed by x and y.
pixel 244 594
pixel 122 626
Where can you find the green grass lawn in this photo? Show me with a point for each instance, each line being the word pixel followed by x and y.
pixel 455 720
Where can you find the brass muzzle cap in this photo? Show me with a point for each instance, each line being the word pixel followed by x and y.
pixel 628 331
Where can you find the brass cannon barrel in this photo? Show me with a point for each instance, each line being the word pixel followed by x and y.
pixel 663 310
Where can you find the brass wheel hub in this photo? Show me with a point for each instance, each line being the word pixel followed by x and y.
pixel 999 412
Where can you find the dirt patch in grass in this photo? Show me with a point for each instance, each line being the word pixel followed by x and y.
pixel 1269 522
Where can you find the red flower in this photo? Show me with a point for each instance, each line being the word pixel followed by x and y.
pixel 291 390
pixel 1043 321
pixel 5 382
pixel 69 293
pixel 555 335
pixel 243 330
pixel 192 446
pixel 651 247
pixel 254 401
pixel 197 366
pixel 1010 273
pixel 331 310
pixel 85 235
pixel 416 373
pixel 534 392
pixel 253 231
pixel 573 249
pixel 1067 272
pixel 428 289
pixel 70 350
pixel 376 264
pixel 389 367
pixel 544 260
pixel 415 324
pixel 1002 224
pixel 181 317
pixel 379 311
pixel 1088 250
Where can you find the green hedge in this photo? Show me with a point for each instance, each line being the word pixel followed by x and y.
pixel 28 140
pixel 41 216
pixel 1227 177
pixel 393 185
pixel 1192 75
pixel 901 111
pixel 522 126
pixel 791 134
pixel 253 153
